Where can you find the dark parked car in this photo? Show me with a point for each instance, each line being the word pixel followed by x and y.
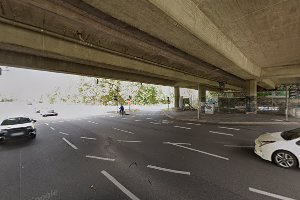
pixel 17 127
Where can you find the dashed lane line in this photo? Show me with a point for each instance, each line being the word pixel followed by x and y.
pixel 169 170
pixel 63 133
pixel 100 158
pixel 276 196
pixel 130 141
pixel 182 127
pixel 236 129
pixel 123 130
pixel 88 138
pixel 69 143
pixel 220 133
pixel 47 124
pixel 193 124
pixel 53 129
pixel 238 146
pixel 156 123
pixel 120 186
pixel 137 120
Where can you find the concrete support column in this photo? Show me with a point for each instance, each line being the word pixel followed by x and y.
pixel 177 96
pixel 251 97
pixel 201 100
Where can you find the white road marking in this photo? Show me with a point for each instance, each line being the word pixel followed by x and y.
pixel 182 127
pixel 238 146
pixel 69 143
pixel 169 170
pixel 52 128
pixel 63 133
pixel 148 118
pixel 203 152
pixel 155 123
pixel 88 138
pixel 193 124
pixel 236 129
pixel 121 187
pixel 100 158
pixel 123 131
pixel 129 141
pixel 137 120
pixel 276 196
pixel 220 133
pixel 95 123
pixel 47 124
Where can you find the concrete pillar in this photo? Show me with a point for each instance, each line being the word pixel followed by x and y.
pixel 201 100
pixel 177 96
pixel 251 97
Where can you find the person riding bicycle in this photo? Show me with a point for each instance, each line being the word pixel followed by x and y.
pixel 122 110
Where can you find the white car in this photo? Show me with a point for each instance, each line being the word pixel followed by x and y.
pixel 282 148
pixel 17 127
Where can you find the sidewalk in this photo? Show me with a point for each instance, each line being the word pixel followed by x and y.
pixel 231 118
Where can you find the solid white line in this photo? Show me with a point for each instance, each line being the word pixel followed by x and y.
pixel 220 133
pixel 236 129
pixel 121 187
pixel 123 131
pixel 182 127
pixel 128 141
pixel 69 143
pixel 238 146
pixel 194 124
pixel 52 128
pixel 276 196
pixel 63 133
pixel 203 152
pixel 169 170
pixel 155 123
pixel 47 124
pixel 100 158
pixel 88 138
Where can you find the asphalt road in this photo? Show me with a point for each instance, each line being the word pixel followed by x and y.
pixel 141 156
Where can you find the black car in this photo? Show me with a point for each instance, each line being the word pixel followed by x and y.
pixel 17 127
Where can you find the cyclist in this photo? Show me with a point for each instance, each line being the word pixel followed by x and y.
pixel 122 110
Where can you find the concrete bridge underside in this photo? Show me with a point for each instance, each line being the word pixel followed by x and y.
pixel 185 43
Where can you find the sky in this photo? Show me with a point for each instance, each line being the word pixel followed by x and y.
pixel 28 84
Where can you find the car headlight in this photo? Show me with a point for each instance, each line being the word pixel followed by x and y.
pixel 3 131
pixel 30 127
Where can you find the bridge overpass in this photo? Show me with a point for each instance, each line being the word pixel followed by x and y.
pixel 236 45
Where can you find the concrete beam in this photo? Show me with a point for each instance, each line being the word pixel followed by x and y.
pixel 287 71
pixel 47 43
pixel 21 60
pixel 187 14
pixel 267 84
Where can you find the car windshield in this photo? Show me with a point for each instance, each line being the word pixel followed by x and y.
pixel 14 121
pixel 291 134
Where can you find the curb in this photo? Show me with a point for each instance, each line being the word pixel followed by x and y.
pixel 231 123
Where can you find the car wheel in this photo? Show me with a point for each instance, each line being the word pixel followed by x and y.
pixel 285 159
pixel 2 140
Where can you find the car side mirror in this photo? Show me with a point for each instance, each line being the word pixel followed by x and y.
pixel 298 142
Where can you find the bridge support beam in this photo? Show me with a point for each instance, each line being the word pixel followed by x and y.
pixel 251 97
pixel 176 96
